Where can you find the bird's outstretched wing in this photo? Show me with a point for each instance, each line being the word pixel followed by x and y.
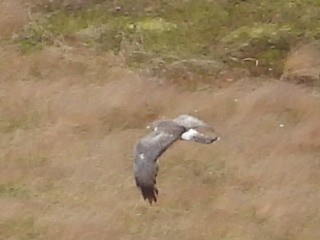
pixel 147 151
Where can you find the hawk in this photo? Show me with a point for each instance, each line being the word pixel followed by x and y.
pixel 152 146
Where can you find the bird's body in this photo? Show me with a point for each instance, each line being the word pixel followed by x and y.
pixel 152 146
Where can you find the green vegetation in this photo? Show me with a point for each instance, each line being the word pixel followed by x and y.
pixel 255 35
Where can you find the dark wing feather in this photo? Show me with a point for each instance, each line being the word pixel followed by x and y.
pixel 147 151
pixel 145 175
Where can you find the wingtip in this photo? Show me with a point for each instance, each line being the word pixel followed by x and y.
pixel 150 194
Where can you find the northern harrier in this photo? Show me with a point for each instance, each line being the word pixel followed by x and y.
pixel 152 146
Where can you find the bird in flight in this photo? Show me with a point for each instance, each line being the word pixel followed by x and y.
pixel 152 146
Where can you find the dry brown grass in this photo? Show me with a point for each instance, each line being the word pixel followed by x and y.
pixel 13 16
pixel 69 118
pixel 302 64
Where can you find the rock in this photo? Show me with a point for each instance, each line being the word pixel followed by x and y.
pixel 302 64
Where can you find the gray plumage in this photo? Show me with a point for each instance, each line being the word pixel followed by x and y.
pixel 152 146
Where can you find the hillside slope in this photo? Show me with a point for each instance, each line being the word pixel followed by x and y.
pixel 69 117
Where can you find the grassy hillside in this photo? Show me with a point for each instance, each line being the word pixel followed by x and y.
pixel 255 35
pixel 79 82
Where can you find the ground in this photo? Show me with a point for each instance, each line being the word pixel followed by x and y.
pixel 70 115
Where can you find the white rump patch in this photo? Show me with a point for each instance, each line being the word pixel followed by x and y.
pixel 141 156
pixel 189 134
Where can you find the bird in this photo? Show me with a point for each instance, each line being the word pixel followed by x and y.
pixel 149 148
